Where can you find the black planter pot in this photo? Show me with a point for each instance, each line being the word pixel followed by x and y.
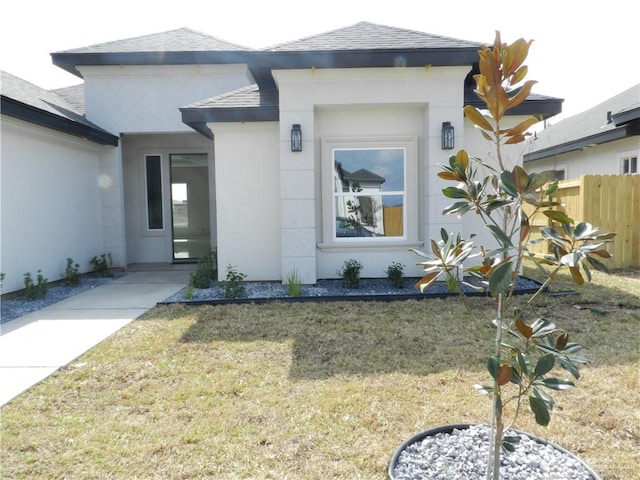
pixel 450 428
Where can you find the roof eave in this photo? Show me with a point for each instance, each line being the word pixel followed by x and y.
pixel 197 118
pixel 27 113
pixel 626 116
pixel 262 63
pixel 542 109
pixel 69 61
pixel 582 143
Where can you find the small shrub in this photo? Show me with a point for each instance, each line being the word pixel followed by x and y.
pixel 2 277
pixel 350 273
pixel 35 291
pixel 71 273
pixel 102 265
pixel 206 271
pixel 233 287
pixel 395 274
pixel 452 282
pixel 292 282
pixel 188 292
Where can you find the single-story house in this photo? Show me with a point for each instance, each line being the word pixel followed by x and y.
pixel 603 140
pixel 295 157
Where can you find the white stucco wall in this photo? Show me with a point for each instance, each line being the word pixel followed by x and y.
pixel 51 202
pixel 604 159
pixel 353 104
pixel 146 99
pixel 247 171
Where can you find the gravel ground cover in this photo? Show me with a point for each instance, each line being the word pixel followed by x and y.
pixel 331 289
pixel 18 306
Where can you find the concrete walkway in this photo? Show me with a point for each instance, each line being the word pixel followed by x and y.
pixel 34 346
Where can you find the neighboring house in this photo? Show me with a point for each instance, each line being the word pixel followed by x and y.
pixel 178 142
pixel 604 140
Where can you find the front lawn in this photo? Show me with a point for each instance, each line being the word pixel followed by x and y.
pixel 313 390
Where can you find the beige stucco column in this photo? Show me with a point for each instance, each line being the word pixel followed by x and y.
pixel 298 198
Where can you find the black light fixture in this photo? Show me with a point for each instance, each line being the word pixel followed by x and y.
pixel 296 138
pixel 447 136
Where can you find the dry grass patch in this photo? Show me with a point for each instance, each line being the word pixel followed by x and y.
pixel 310 391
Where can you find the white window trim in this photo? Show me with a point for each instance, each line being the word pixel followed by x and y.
pixel 628 156
pixel 411 207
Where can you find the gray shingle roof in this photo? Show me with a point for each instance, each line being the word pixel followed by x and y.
pixel 74 95
pixel 25 92
pixel 591 124
pixel 245 97
pixel 179 40
pixel 371 36
pixel 24 100
pixel 238 105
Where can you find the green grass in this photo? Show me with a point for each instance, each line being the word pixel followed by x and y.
pixel 312 390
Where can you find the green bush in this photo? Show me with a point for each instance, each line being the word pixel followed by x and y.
pixel 34 291
pixel 350 273
pixel 206 271
pixel 233 287
pixel 102 265
pixel 188 292
pixel 395 274
pixel 71 273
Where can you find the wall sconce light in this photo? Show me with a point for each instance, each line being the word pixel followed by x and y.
pixel 296 138
pixel 447 136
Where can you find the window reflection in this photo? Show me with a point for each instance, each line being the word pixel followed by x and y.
pixel 369 191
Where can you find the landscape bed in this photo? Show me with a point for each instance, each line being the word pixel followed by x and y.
pixel 376 289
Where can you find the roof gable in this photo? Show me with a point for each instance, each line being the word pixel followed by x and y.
pixel 371 36
pixel 179 40
pixel 175 47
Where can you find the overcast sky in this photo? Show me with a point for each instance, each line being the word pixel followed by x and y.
pixel 583 52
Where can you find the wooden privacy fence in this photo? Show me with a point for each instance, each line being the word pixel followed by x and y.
pixel 611 202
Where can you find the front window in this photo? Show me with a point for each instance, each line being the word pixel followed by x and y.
pixel 369 195
pixel 630 165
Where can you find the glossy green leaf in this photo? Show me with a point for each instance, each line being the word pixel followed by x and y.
pixel 522 363
pixel 583 229
pixel 543 397
pixel 500 278
pixel 457 208
pixel 558 216
pixel 508 183
pixel 500 236
pixel 516 378
pixel 569 367
pixel 558 383
pixel 493 365
pixel 601 267
pixel 552 189
pixel 509 443
pixel 538 180
pixel 540 410
pixel 453 192
pixel 544 365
